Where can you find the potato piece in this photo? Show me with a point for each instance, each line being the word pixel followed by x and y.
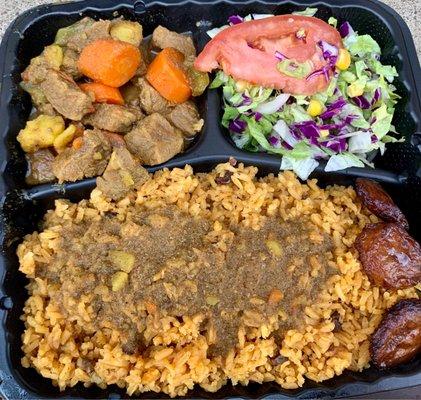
pixel 127 31
pixel 62 140
pixel 63 35
pixel 212 300
pixel 54 56
pixel 123 260
pixel 274 247
pixel 198 80
pixel 40 132
pixel 119 280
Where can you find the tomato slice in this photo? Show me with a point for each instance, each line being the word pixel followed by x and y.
pixel 246 51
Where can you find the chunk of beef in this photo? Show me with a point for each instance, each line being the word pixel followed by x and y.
pixel 69 64
pixel 136 111
pixel 112 117
pixel 34 74
pixel 144 61
pixel 130 93
pixel 89 160
pixel 65 96
pixel 162 38
pixel 122 174
pixel 116 140
pixel 150 100
pixel 154 140
pixel 40 167
pixel 36 71
pixel 83 32
pixel 398 337
pixel 185 117
pixel 141 69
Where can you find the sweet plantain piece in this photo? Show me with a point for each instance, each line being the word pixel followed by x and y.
pixel 379 202
pixel 398 337
pixel 127 31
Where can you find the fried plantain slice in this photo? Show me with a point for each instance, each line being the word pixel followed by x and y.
pixel 398 337
pixel 390 257
pixel 374 197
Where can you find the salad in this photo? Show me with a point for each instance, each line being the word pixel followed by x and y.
pixel 333 100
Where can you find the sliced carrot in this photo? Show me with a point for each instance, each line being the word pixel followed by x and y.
pixel 103 93
pixel 77 143
pixel 167 76
pixel 109 61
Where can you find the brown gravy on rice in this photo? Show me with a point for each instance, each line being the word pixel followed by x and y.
pixel 160 261
pixel 251 280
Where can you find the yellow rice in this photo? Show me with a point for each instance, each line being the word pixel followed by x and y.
pixel 59 347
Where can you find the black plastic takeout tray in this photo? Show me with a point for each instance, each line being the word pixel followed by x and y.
pixel 23 207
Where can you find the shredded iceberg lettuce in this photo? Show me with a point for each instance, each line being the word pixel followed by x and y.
pixel 356 122
pixel 308 12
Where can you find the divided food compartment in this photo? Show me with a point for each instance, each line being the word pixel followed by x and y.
pixel 23 207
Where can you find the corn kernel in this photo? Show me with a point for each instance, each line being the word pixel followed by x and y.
pixel 324 133
pixel 344 59
pixel 314 108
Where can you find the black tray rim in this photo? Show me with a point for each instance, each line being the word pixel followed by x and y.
pixel 390 382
